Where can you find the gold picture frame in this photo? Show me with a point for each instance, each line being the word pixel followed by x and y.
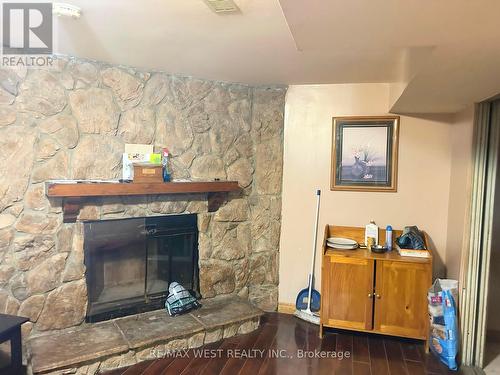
pixel 365 153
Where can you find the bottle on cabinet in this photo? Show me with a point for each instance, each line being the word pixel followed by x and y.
pixel 371 231
pixel 388 237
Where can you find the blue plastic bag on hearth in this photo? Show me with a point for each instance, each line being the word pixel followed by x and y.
pixel 442 298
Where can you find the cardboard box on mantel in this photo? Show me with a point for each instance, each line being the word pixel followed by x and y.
pixel 142 155
pixel 148 173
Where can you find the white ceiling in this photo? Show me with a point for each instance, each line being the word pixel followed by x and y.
pixel 441 54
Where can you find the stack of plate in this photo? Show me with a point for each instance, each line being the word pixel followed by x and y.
pixel 341 243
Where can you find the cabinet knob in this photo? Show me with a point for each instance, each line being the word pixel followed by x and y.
pixel 377 295
pixel 370 295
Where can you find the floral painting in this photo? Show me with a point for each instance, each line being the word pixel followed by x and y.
pixel 364 154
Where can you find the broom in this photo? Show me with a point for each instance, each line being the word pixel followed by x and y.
pixel 304 310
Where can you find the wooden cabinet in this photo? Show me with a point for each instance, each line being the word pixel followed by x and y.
pixel 379 293
pixel 401 298
pixel 350 288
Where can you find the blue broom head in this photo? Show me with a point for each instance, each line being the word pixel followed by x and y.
pixel 303 296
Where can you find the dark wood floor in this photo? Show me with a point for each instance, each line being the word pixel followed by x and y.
pixel 368 354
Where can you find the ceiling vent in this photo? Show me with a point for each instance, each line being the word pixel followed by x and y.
pixel 222 6
pixel 66 10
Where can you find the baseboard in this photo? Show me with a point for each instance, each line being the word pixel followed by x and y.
pixel 286 308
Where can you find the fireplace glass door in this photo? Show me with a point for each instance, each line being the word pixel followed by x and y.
pixel 131 262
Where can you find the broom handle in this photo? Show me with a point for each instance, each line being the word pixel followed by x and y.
pixel 315 241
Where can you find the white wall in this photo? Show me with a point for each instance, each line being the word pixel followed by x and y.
pixel 460 188
pixel 424 176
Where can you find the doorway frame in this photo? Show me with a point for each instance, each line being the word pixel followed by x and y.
pixel 476 259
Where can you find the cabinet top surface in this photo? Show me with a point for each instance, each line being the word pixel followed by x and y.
pixel 366 254
pixel 358 234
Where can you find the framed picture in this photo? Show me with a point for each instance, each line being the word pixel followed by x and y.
pixel 365 153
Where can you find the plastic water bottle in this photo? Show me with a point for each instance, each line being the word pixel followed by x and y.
pixel 388 237
pixel 165 156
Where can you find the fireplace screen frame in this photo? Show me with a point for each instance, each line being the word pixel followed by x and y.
pixel 154 232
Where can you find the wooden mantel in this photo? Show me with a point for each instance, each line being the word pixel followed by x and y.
pixel 83 189
pixel 74 194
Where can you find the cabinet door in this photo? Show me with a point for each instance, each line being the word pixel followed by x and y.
pixel 347 292
pixel 401 298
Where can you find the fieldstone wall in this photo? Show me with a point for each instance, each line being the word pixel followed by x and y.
pixel 72 121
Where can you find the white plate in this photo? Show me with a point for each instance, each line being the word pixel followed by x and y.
pixel 342 247
pixel 342 241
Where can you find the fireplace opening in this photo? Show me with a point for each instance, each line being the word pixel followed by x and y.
pixel 131 262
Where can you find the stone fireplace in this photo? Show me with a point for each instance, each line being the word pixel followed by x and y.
pixel 130 263
pixel 73 120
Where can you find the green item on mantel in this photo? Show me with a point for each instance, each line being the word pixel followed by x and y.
pixel 155 159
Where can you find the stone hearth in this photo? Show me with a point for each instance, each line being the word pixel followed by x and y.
pixel 91 348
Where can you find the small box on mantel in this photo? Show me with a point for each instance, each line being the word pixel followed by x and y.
pixel 148 173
